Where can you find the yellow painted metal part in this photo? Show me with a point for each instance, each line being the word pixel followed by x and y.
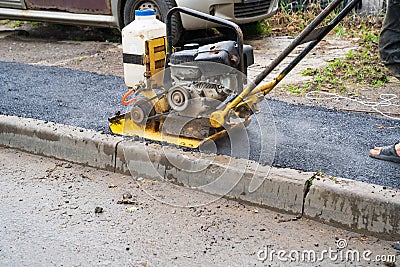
pixel 121 126
pixel 218 118
pixel 129 128
pixel 155 60
pixel 264 88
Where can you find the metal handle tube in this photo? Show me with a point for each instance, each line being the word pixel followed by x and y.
pixel 311 46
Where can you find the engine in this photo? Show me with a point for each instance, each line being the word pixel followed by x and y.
pixel 205 76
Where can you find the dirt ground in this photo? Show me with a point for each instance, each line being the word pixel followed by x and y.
pixel 100 51
pixel 55 213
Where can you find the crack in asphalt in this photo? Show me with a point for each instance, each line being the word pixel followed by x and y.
pixel 308 138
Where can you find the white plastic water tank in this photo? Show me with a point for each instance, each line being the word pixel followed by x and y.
pixel 134 36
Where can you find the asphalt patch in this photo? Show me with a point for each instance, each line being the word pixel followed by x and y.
pixel 304 137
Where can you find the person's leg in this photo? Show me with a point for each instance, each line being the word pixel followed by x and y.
pixel 389 51
pixel 389 153
pixel 389 39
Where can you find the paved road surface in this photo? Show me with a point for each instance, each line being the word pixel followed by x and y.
pixel 47 219
pixel 307 138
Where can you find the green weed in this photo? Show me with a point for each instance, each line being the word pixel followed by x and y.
pixel 258 28
pixel 33 23
pixel 4 21
pixel 16 24
pixel 294 89
pixel 19 23
pixel 340 31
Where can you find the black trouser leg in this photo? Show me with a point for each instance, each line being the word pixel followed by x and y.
pixel 389 40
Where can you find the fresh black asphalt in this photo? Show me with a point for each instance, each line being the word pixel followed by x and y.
pixel 307 138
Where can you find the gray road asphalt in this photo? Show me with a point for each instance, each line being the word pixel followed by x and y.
pixel 307 138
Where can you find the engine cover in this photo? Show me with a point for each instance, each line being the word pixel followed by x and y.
pixel 225 52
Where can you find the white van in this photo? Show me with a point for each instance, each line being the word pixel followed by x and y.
pixel 118 13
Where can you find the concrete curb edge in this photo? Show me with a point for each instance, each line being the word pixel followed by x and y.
pixel 353 205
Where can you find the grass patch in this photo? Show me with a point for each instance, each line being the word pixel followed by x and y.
pixel 358 67
pixel 361 67
pixel 256 28
pixel 19 23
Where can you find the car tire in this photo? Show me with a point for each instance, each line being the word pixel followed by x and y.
pixel 161 7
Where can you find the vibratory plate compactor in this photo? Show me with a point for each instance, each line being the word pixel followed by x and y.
pixel 197 93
